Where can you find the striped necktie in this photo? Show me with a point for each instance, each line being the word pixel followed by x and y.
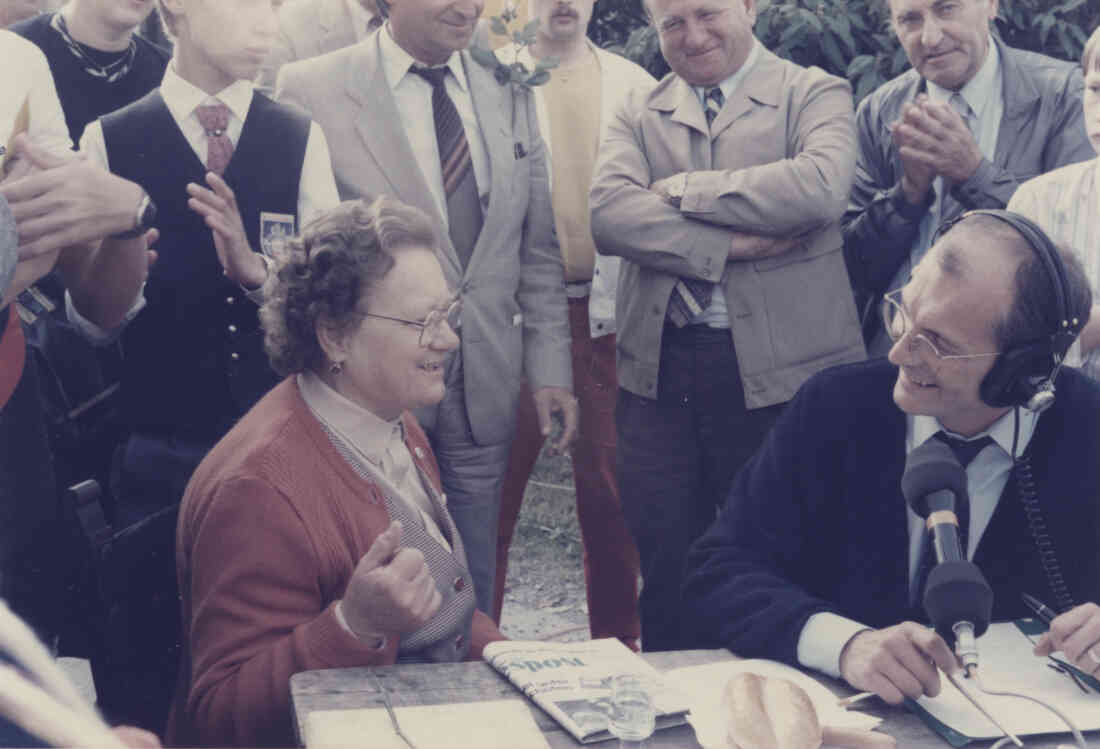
pixel 463 203
pixel 713 100
pixel 690 296
pixel 958 103
pixel 965 451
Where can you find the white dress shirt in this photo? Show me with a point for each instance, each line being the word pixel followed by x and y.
pixel 28 80
pixel 316 187
pixel 413 96
pixel 825 634
pixel 380 444
pixel 716 314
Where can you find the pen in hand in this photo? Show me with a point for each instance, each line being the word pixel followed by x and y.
pixel 1041 610
pixel 1047 614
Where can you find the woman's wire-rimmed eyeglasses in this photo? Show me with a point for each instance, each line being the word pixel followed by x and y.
pixel 431 327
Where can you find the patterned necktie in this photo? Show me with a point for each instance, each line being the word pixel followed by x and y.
pixel 214 119
pixel 691 296
pixel 374 22
pixel 958 103
pixel 459 184
pixel 713 100
pixel 965 451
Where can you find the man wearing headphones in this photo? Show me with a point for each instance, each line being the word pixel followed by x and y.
pixel 816 559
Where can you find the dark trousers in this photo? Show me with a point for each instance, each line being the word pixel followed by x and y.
pixel 35 549
pixel 136 661
pixel 152 473
pixel 677 456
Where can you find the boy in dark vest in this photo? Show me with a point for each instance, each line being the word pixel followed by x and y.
pixel 225 169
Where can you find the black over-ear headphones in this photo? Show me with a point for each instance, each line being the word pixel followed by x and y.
pixel 1024 374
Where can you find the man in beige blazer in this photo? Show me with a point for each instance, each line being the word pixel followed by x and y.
pixel 721 188
pixel 377 112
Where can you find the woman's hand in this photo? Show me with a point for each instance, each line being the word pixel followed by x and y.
pixel 391 592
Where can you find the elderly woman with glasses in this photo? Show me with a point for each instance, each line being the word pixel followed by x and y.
pixel 315 534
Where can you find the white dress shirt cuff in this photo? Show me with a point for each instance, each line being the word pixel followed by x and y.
pixel 96 335
pixel 823 638
pixel 256 295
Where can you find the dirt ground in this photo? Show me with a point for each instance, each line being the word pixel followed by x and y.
pixel 544 592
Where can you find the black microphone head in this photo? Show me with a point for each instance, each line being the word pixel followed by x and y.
pixel 932 468
pixel 957 592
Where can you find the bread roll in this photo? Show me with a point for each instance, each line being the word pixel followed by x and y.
pixel 767 713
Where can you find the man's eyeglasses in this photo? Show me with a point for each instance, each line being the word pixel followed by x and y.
pixel 431 327
pixel 898 323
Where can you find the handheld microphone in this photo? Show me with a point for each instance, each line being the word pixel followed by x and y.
pixel 957 598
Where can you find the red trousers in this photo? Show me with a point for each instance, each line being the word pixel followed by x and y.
pixel 610 557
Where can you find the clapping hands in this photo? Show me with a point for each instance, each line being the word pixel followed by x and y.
pixel 933 141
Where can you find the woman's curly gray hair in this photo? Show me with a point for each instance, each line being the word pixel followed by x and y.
pixel 327 275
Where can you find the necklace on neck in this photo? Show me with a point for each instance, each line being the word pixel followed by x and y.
pixel 110 72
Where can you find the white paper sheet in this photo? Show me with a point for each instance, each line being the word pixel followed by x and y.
pixel 1006 663
pixel 494 724
pixel 704 685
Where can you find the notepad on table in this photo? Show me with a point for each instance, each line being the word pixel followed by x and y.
pixel 1006 663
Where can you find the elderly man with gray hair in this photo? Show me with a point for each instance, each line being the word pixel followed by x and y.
pixel 960 131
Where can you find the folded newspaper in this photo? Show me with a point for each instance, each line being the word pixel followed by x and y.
pixel 571 681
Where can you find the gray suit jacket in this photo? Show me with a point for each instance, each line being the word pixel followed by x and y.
pixel 307 28
pixel 779 162
pixel 514 317
pixel 1042 129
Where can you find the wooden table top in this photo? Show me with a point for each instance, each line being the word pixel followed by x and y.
pixel 432 684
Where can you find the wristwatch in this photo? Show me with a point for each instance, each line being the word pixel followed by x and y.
pixel 144 217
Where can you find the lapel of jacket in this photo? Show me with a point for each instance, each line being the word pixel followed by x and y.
pixel 676 99
pixel 379 125
pixel 761 87
pixel 679 98
pixel 493 107
pixel 1020 97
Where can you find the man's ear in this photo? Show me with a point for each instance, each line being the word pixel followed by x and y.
pixel 331 341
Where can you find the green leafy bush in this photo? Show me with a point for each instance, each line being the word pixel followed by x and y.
pixel 852 38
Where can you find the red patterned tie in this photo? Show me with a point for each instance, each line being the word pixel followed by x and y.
pixel 214 119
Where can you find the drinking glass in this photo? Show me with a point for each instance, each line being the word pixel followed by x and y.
pixel 633 716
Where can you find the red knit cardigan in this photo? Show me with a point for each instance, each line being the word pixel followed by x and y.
pixel 271 527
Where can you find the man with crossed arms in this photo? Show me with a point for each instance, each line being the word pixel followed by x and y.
pixel 721 188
